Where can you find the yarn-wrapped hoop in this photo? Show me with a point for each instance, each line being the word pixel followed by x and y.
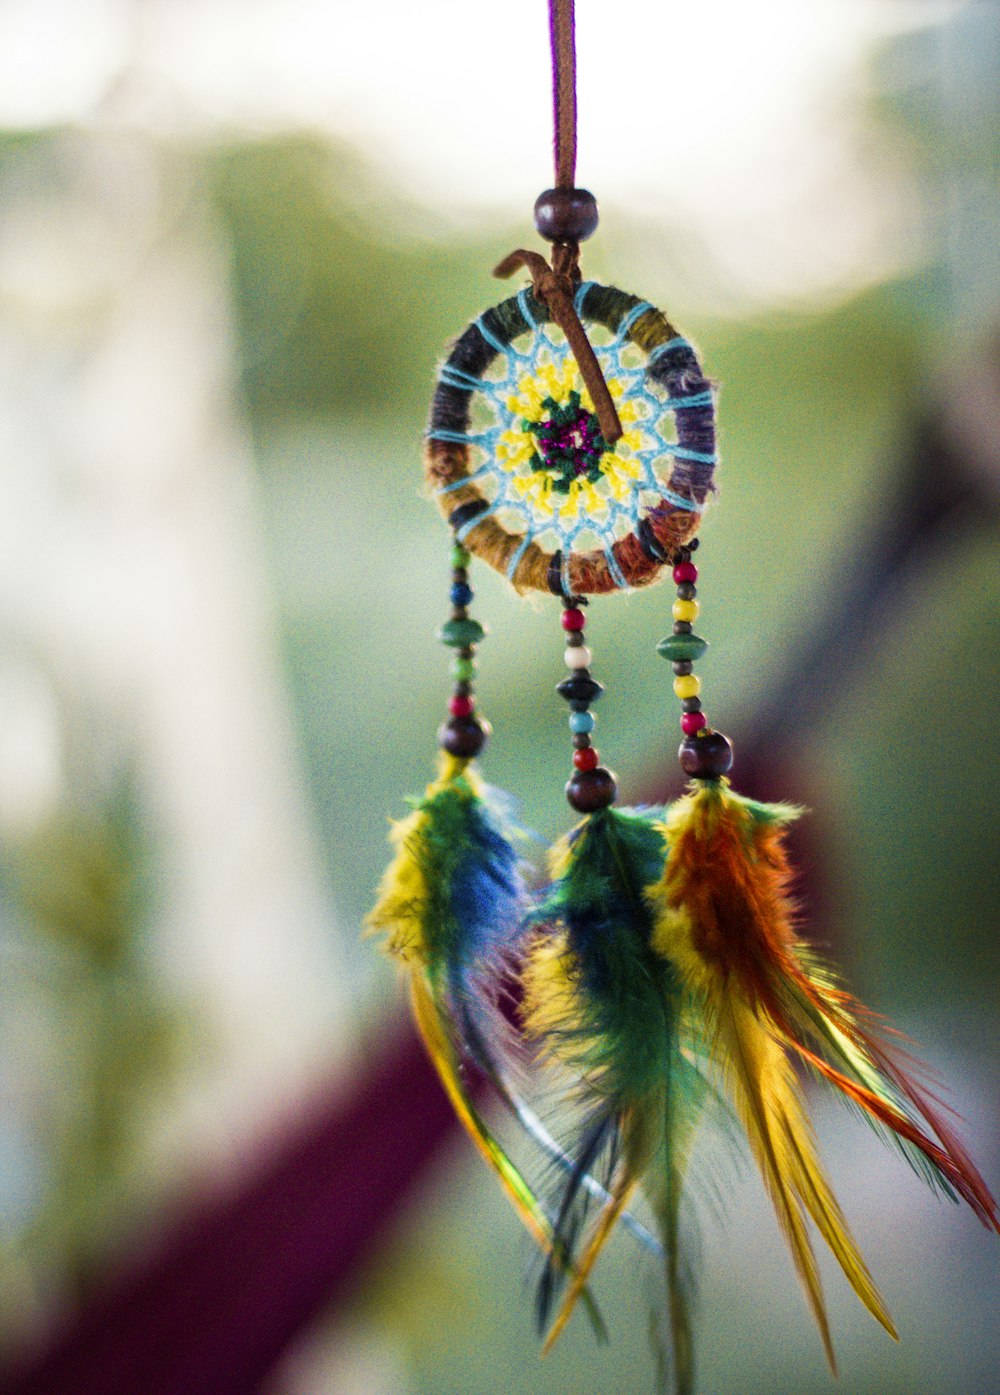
pixel 516 458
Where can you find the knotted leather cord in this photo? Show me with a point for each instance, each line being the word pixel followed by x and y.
pixel 562 36
pixel 555 286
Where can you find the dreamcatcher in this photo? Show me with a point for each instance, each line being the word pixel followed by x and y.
pixel 571 446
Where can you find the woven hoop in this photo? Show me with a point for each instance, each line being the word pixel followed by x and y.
pixel 517 464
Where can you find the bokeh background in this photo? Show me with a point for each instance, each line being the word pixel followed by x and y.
pixel 234 241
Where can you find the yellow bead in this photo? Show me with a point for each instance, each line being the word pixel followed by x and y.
pixel 687 685
pixel 685 610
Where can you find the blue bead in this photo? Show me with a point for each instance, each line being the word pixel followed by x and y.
pixel 461 593
pixel 580 722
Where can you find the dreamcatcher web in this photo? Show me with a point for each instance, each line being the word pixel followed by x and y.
pixel 535 450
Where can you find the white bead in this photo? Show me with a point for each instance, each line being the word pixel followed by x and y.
pixel 578 657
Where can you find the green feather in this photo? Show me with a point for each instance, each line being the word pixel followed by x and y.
pixel 608 1007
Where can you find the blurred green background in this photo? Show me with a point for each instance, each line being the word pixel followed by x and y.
pixel 222 313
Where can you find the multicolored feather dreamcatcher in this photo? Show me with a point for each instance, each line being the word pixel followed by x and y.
pixel 571 446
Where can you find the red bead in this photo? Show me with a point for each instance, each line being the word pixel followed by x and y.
pixel 692 722
pixel 685 571
pixel 586 758
pixel 461 706
pixel 573 619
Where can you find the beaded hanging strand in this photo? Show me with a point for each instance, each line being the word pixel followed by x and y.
pixel 591 786
pixel 464 734
pixel 703 753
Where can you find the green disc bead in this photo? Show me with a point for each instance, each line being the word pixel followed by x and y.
pixel 459 556
pixel 463 669
pixel 458 633
pixel 679 649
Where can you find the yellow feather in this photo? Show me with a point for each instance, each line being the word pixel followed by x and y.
pixel 606 1222
pixel 754 1069
pixel 639 1148
pixel 439 1049
pixel 770 1106
pixel 402 892
pixel 550 1004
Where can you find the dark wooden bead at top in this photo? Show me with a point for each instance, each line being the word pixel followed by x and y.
pixel 590 790
pixel 464 737
pixel 707 756
pixel 566 215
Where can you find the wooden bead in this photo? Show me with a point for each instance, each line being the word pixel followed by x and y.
pixel 687 685
pixel 573 619
pixel 580 688
pixel 566 215
pixel 680 647
pixel 685 610
pixel 705 756
pixel 590 790
pixel 586 758
pixel 464 737
pixel 461 633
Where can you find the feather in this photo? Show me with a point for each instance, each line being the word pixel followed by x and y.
pixel 725 921
pixel 604 1007
pixel 449 906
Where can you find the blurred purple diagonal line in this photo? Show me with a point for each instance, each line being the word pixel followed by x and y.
pixel 212 1310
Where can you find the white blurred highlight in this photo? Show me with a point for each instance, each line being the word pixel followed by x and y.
pixel 740 124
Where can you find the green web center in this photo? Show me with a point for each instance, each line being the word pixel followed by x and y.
pixel 569 443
